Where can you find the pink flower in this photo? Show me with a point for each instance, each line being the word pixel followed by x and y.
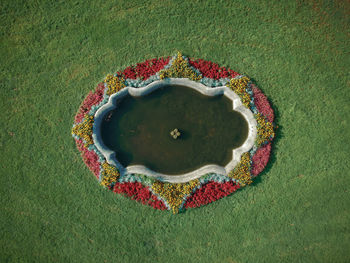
pixel 260 159
pixel 93 98
pixel 262 104
pixel 90 158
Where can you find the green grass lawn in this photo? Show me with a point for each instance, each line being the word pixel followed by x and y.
pixel 53 53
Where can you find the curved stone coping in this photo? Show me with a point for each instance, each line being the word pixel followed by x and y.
pixel 209 91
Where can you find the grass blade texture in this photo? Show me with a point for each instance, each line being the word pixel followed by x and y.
pixel 53 53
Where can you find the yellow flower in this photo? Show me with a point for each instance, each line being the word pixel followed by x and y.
pixel 114 84
pixel 110 174
pixel 239 87
pixel 174 193
pixel 265 129
pixel 242 171
pixel 180 69
pixel 84 130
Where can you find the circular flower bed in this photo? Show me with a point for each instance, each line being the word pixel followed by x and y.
pixel 176 196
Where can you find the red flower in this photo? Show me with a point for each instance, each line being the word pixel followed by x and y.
pixel 145 69
pixel 210 192
pixel 129 73
pixel 140 193
pixel 212 70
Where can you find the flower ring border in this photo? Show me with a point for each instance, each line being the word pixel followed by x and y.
pixel 155 191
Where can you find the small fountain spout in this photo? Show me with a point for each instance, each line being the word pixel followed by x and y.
pixel 175 133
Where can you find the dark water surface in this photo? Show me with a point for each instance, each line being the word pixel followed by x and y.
pixel 138 130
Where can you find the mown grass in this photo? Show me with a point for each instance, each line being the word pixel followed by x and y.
pixel 54 52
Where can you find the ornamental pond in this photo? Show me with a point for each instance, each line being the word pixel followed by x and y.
pixel 174 130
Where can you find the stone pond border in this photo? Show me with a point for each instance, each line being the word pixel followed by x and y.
pixel 208 91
